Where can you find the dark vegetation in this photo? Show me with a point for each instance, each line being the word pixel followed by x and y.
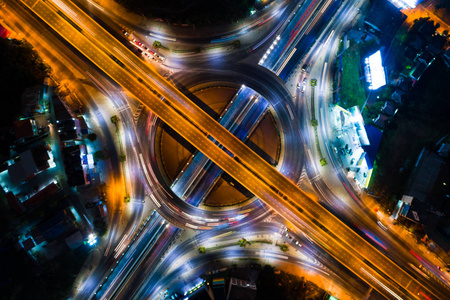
pixel 20 68
pixel 197 12
pixel 54 281
pixel 285 286
pixel 421 122
pixel 100 227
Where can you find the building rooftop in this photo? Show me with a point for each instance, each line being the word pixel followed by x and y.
pixel 381 121
pixel 389 108
pixel 425 174
pixel 15 203
pixel 418 70
pixel 241 290
pixel 29 102
pixel 28 244
pixel 24 128
pixel 40 196
pixel 374 135
pixel 75 240
pixel 22 169
pixel 384 18
pixel 61 112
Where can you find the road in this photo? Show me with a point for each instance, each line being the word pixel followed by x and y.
pixel 250 170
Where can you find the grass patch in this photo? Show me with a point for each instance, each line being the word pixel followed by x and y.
pixel 352 91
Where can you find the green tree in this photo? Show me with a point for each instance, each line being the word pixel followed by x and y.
pixel 100 227
pixel 243 242
pixel 202 250
pixel 372 111
pixel 114 120
pixel 284 247
pixel 156 44
pixel 98 155
pixel 92 137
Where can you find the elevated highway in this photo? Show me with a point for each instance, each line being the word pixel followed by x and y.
pixel 243 164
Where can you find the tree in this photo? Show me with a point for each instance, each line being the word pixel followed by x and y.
pixel 202 250
pixel 243 242
pixel 92 137
pixel 284 247
pixel 372 111
pixel 114 119
pixel 156 44
pixel 123 158
pixel 98 155
pixel 100 227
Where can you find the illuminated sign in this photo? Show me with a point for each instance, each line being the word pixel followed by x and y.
pixel 404 3
pixel 374 71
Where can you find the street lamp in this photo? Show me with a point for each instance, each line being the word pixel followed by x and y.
pixel 92 239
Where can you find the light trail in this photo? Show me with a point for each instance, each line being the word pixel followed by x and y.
pixel 286 61
pixel 381 284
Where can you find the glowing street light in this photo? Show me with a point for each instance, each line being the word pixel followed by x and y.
pixel 92 239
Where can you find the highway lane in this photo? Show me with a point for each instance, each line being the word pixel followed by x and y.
pixel 112 93
pixel 129 256
pixel 69 66
pixel 168 273
pixel 360 214
pixel 197 36
pixel 391 245
pixel 246 174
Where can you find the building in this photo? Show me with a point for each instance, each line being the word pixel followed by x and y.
pixel 418 69
pixel 426 57
pixel 73 166
pixel 56 225
pixel 23 168
pixel 25 129
pixel 4 33
pixel 356 145
pixel 28 244
pixel 33 101
pixel 75 240
pixel 446 57
pixel 381 121
pixel 67 128
pixel 15 203
pixel 218 288
pixel 42 195
pixel 389 108
pixel 383 20
pixel 43 157
pixel 239 289
pixel 374 136
pixel 425 200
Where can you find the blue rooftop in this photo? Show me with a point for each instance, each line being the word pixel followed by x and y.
pixel 374 135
